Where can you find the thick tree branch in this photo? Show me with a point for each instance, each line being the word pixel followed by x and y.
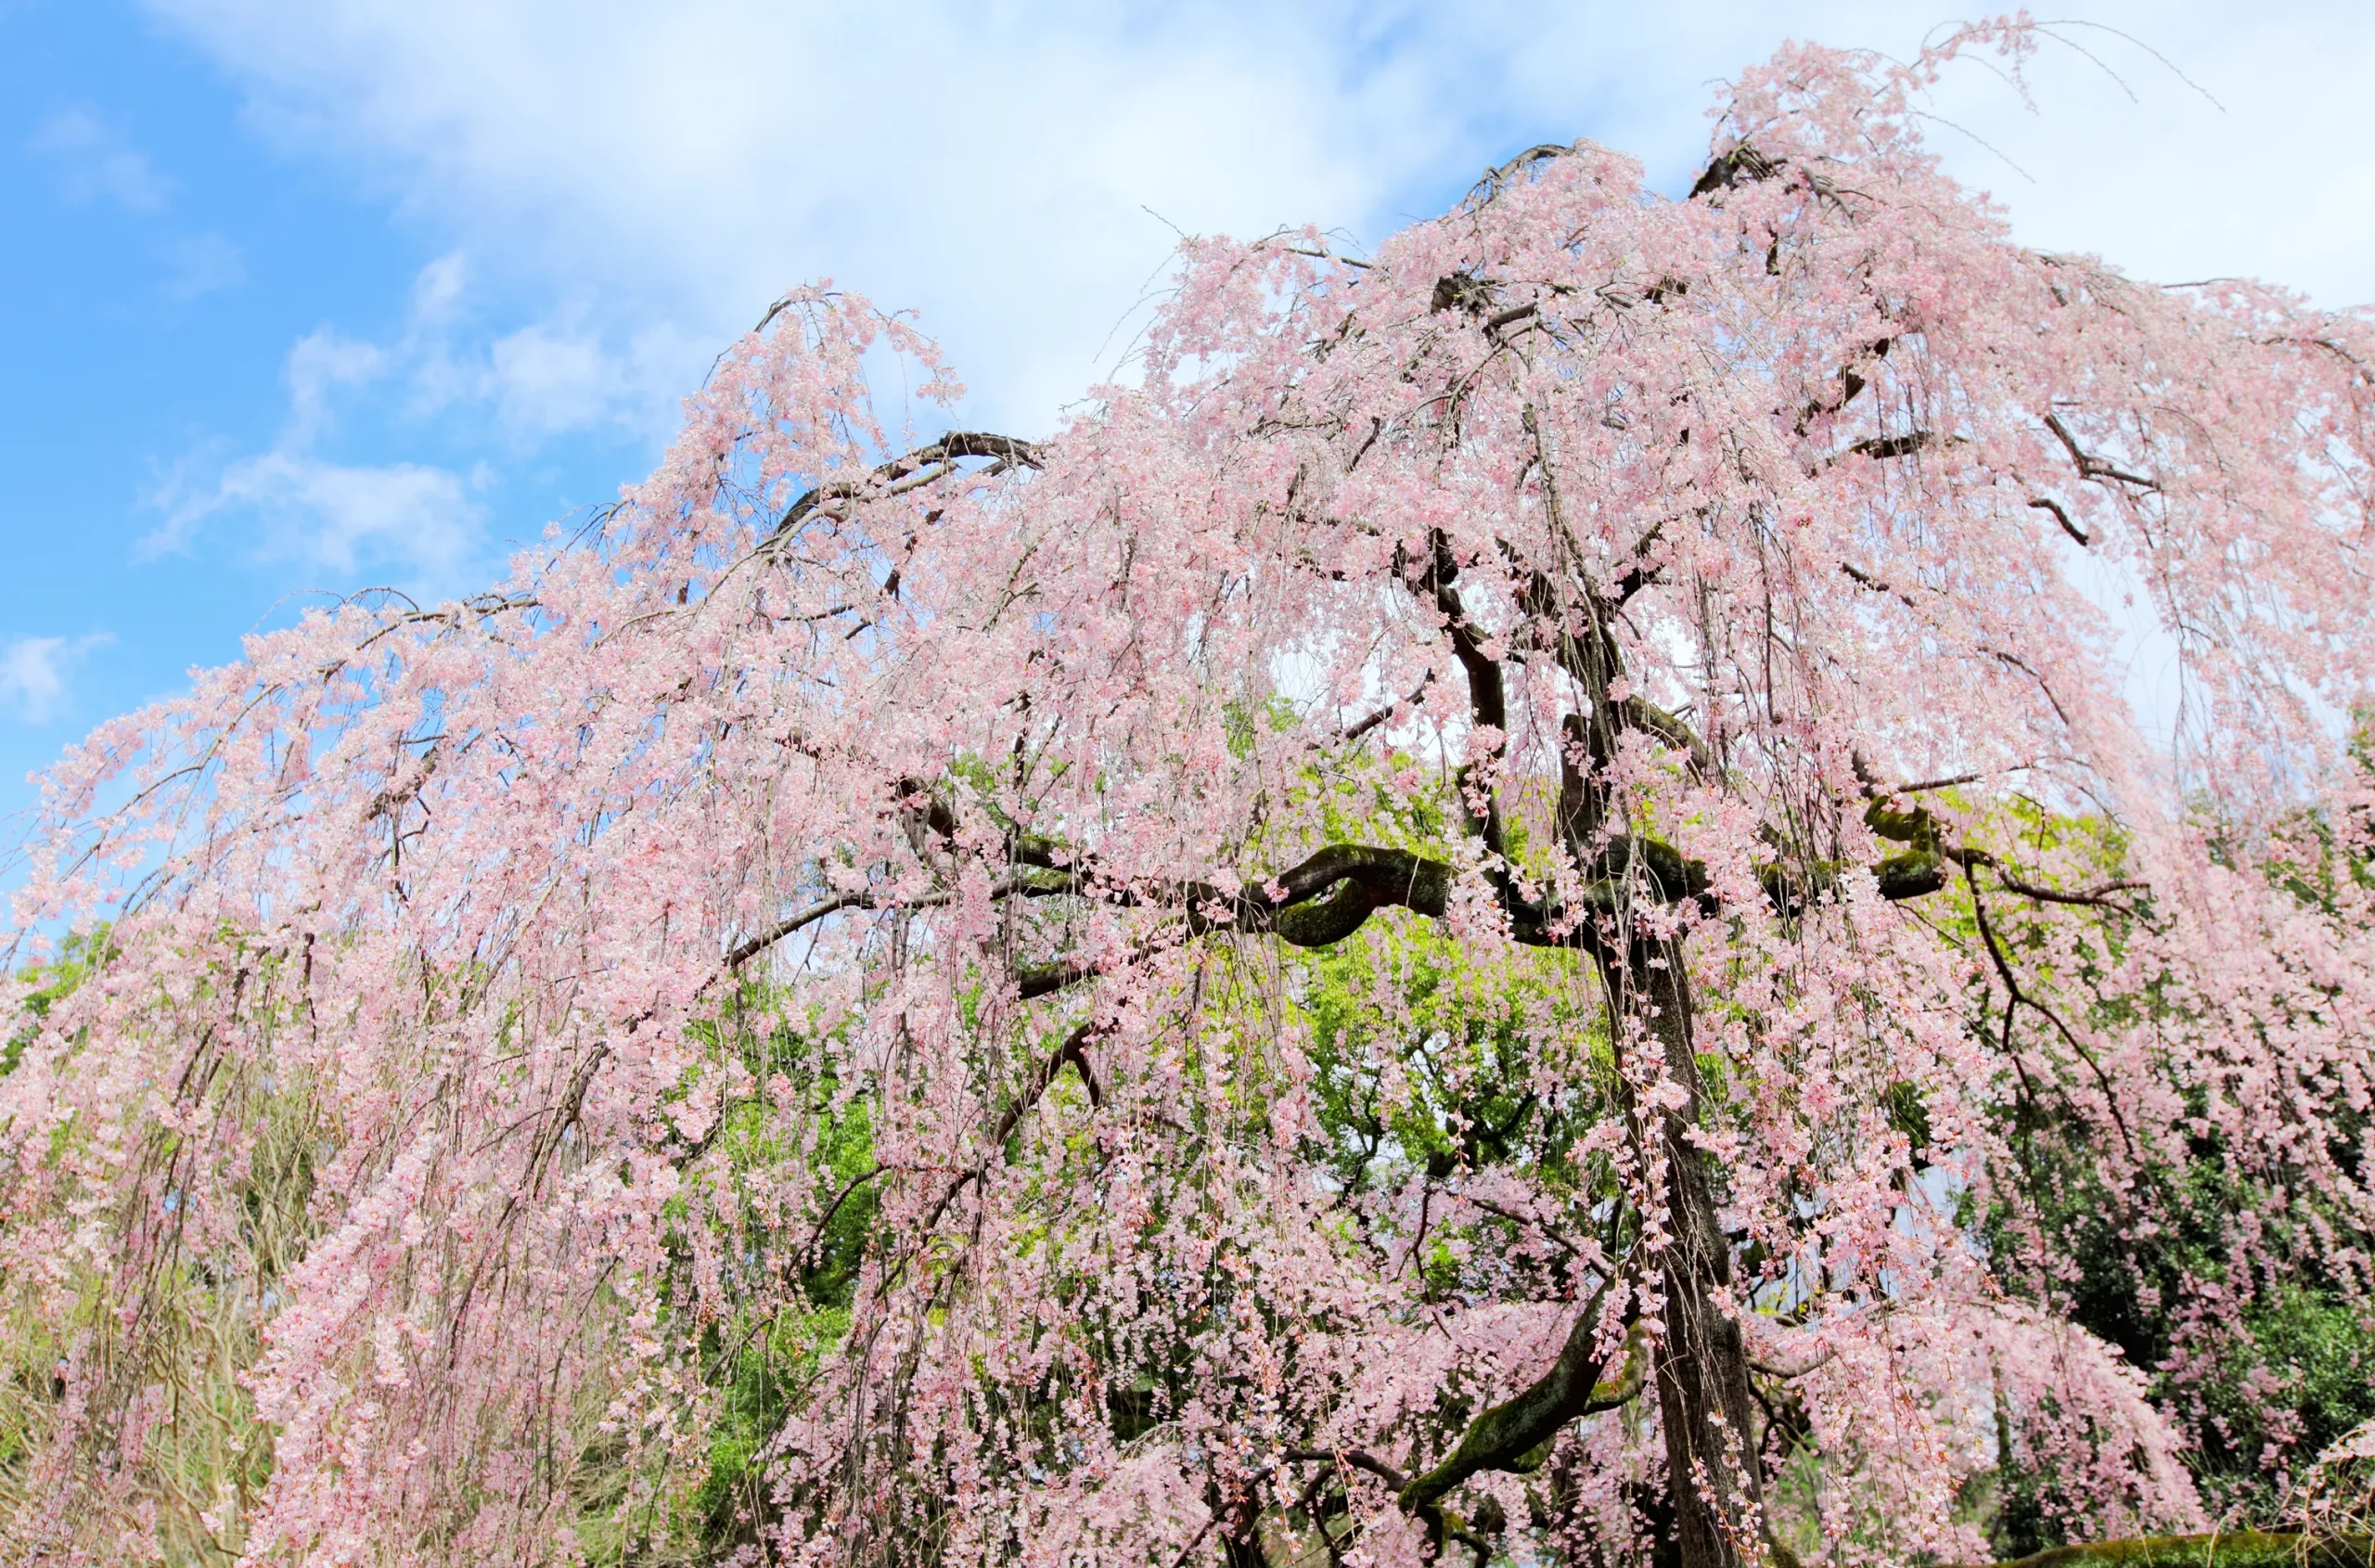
pixel 1884 447
pixel 942 456
pixel 1361 726
pixel 1504 1436
pixel 1331 894
pixel 1028 884
pixel 1355 1458
pixel 1325 899
pixel 1488 705
pixel 1864 579
pixel 1498 178
pixel 1923 785
pixel 1742 163
pixel 2099 897
pixel 1639 713
pixel 2240 1549
pixel 751 946
pixel 1851 383
pixel 824 1221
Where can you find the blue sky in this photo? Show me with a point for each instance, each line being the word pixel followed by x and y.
pixel 301 297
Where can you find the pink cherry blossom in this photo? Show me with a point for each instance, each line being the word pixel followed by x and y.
pixel 1543 804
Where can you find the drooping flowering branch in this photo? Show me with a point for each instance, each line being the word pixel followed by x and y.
pixel 1184 990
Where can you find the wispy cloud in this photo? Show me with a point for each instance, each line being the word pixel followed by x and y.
pixel 414 524
pixel 94 163
pixel 418 522
pixel 34 673
pixel 675 167
pixel 324 363
pixel 201 263
pixel 673 171
pixel 421 520
pixel 567 373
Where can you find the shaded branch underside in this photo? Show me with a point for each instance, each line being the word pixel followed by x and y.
pixel 2240 1549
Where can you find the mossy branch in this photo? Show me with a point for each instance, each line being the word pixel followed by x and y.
pixel 1506 1436
pixel 2240 1549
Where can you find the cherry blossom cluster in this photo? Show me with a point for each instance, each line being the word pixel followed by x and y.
pixel 1539 827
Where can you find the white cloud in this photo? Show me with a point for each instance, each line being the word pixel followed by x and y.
pixel 324 361
pixel 438 288
pixel 550 380
pixel 647 177
pixel 94 163
pixel 567 375
pixel 559 375
pixel 202 264
pixel 568 372
pixel 34 673
pixel 2239 167
pixel 414 525
pixel 677 168
pixel 420 520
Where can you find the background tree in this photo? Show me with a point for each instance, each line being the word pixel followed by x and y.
pixel 1512 907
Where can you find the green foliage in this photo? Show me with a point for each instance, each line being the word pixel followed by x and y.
pixel 195 1320
pixel 725 1511
pixel 757 1361
pixel 1440 1081
pixel 2314 1351
pixel 2260 1390
pixel 77 957
pixel 1241 717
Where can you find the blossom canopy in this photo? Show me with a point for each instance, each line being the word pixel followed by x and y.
pixel 1498 909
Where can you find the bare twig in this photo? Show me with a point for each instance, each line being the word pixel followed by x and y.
pixel 1355 1458
pixel 2047 503
pixel 2092 466
pixel 1363 726
pixel 2020 998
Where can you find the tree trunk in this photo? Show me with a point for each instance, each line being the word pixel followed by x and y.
pixel 1712 1466
pixel 1704 1399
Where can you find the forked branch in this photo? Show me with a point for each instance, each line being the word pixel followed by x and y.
pixel 934 460
pixel 1506 1436
pixel 2090 465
